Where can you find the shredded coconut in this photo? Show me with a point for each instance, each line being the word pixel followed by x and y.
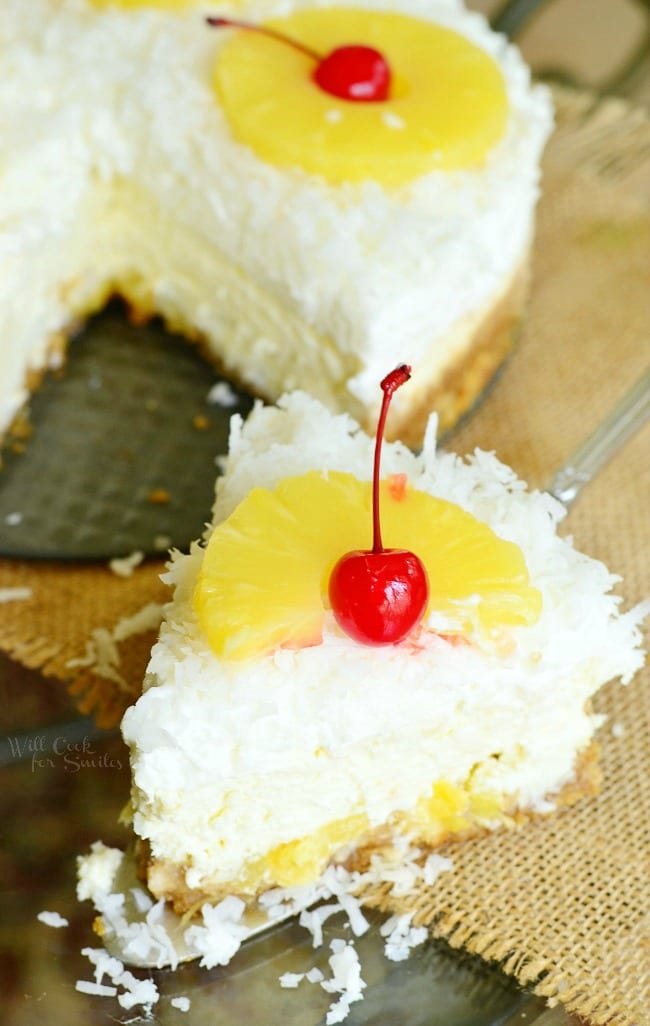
pixel 141 899
pixel 401 937
pixel 345 980
pixel 435 865
pixel 147 940
pixel 136 992
pixel 182 1003
pixel 128 989
pixel 222 395
pixel 219 930
pixel 291 980
pixel 102 652
pixel 105 964
pixel 97 989
pixel 145 619
pixel 124 567
pixel 222 933
pixel 15 594
pixel 96 871
pixel 13 519
pixel 52 919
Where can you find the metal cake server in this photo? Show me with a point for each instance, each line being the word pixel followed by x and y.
pixel 626 418
pixel 122 453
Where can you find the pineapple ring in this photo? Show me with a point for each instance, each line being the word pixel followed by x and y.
pixel 263 581
pixel 448 104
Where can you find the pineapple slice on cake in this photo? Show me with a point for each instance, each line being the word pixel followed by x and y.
pixel 263 582
pixel 284 556
pixel 445 108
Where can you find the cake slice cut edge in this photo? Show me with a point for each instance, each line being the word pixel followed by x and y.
pixel 257 775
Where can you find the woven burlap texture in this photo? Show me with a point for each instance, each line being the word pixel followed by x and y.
pixel 562 903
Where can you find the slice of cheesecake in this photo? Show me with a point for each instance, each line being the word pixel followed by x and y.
pixel 294 250
pixel 268 742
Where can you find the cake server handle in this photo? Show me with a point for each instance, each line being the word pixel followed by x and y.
pixel 627 417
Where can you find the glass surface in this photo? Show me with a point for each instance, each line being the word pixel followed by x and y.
pixel 62 786
pixel 136 437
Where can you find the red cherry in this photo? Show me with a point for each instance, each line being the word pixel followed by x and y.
pixel 350 72
pixel 354 73
pixel 379 596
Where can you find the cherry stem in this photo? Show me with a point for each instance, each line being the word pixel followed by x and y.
pixel 263 30
pixel 389 386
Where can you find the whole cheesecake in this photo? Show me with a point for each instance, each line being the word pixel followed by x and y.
pixel 268 741
pixel 297 235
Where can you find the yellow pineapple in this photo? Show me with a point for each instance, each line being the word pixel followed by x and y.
pixel 265 573
pixel 301 861
pixel 447 104
pixel 452 809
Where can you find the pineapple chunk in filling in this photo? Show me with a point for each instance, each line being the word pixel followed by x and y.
pixel 453 809
pixel 302 861
pixel 448 809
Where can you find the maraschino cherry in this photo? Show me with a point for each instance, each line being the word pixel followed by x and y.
pixel 354 72
pixel 378 596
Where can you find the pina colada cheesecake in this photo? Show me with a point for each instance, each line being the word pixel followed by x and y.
pixel 241 186
pixel 272 737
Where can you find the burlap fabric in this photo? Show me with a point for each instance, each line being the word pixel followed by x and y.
pixel 562 903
